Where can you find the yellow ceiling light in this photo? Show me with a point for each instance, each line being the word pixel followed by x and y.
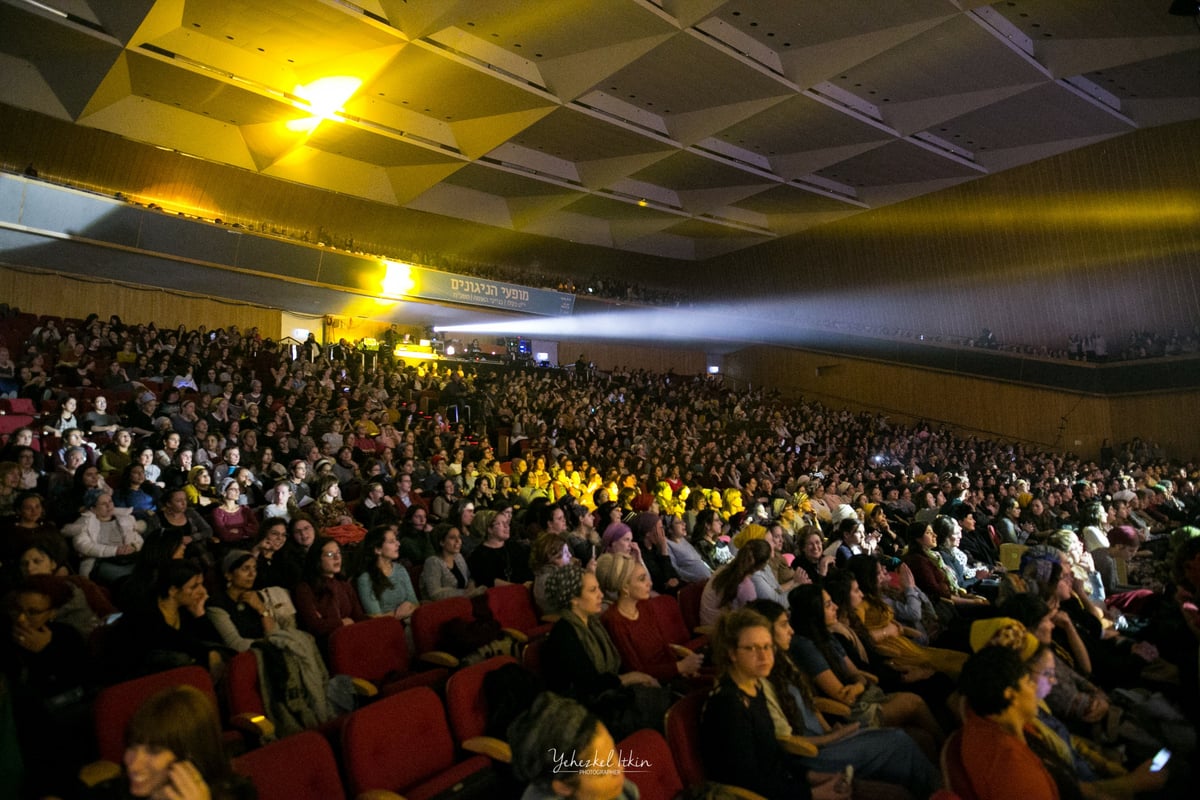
pixel 325 98
pixel 397 279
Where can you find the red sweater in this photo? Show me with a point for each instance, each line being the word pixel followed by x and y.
pixel 322 615
pixel 643 645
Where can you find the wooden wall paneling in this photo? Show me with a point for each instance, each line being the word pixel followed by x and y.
pixel 609 355
pixel 44 293
pixel 973 405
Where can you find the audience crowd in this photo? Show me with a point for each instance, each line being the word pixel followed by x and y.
pixel 178 496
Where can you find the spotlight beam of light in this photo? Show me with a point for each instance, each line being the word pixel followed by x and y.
pixel 748 323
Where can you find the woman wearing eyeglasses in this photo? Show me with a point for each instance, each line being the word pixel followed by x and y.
pixel 325 600
pixel 737 734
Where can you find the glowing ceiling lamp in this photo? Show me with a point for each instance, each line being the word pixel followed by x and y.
pixel 325 98
pixel 397 279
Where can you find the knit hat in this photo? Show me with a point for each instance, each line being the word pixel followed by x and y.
pixel 564 584
pixel 1005 632
pixel 749 534
pixel 614 570
pixel 233 560
pixel 612 533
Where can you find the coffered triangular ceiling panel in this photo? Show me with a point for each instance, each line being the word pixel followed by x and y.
pixel 679 128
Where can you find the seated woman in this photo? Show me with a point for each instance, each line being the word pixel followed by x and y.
pixel 136 493
pixel 819 654
pixel 811 555
pixel 238 612
pixel 446 574
pixel 271 567
pixel 887 636
pixel 383 584
pixel 949 537
pixel 731 586
pixel 847 541
pixel 554 725
pixel 770 582
pixel 46 665
pixel 706 539
pixel 580 661
pixel 325 600
pixel 86 603
pixel 549 551
pixel 174 513
pixel 1002 702
pixel 1074 763
pixel 415 542
pixel 737 734
pixel 201 492
pixel 931 573
pixel 106 537
pixel 29 522
pixel 618 538
pixel 174 749
pixel 885 754
pixel 494 562
pixel 328 508
pixel 630 622
pixel 170 630
pixel 118 455
pixel 279 501
pixel 232 522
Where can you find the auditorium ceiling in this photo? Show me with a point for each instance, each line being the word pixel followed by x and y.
pixel 685 129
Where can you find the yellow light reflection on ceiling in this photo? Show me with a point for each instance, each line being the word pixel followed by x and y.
pixel 325 98
pixel 1139 210
pixel 397 279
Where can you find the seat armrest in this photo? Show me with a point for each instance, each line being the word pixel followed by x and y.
pixel 518 636
pixel 798 746
pixel 439 658
pixel 99 772
pixel 256 725
pixel 379 794
pixel 489 746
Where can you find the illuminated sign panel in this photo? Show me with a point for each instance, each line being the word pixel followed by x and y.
pixel 406 280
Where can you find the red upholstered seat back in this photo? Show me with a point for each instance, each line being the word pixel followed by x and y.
pixel 116 705
pixel 651 765
pixel 397 742
pixel 512 606
pixel 954 773
pixel 429 618
pixel 241 685
pixel 683 734
pixel 465 703
pixel 374 649
pixel 300 767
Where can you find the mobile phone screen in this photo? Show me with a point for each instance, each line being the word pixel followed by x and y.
pixel 1160 760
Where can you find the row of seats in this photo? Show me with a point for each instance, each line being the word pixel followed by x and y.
pixel 410 743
